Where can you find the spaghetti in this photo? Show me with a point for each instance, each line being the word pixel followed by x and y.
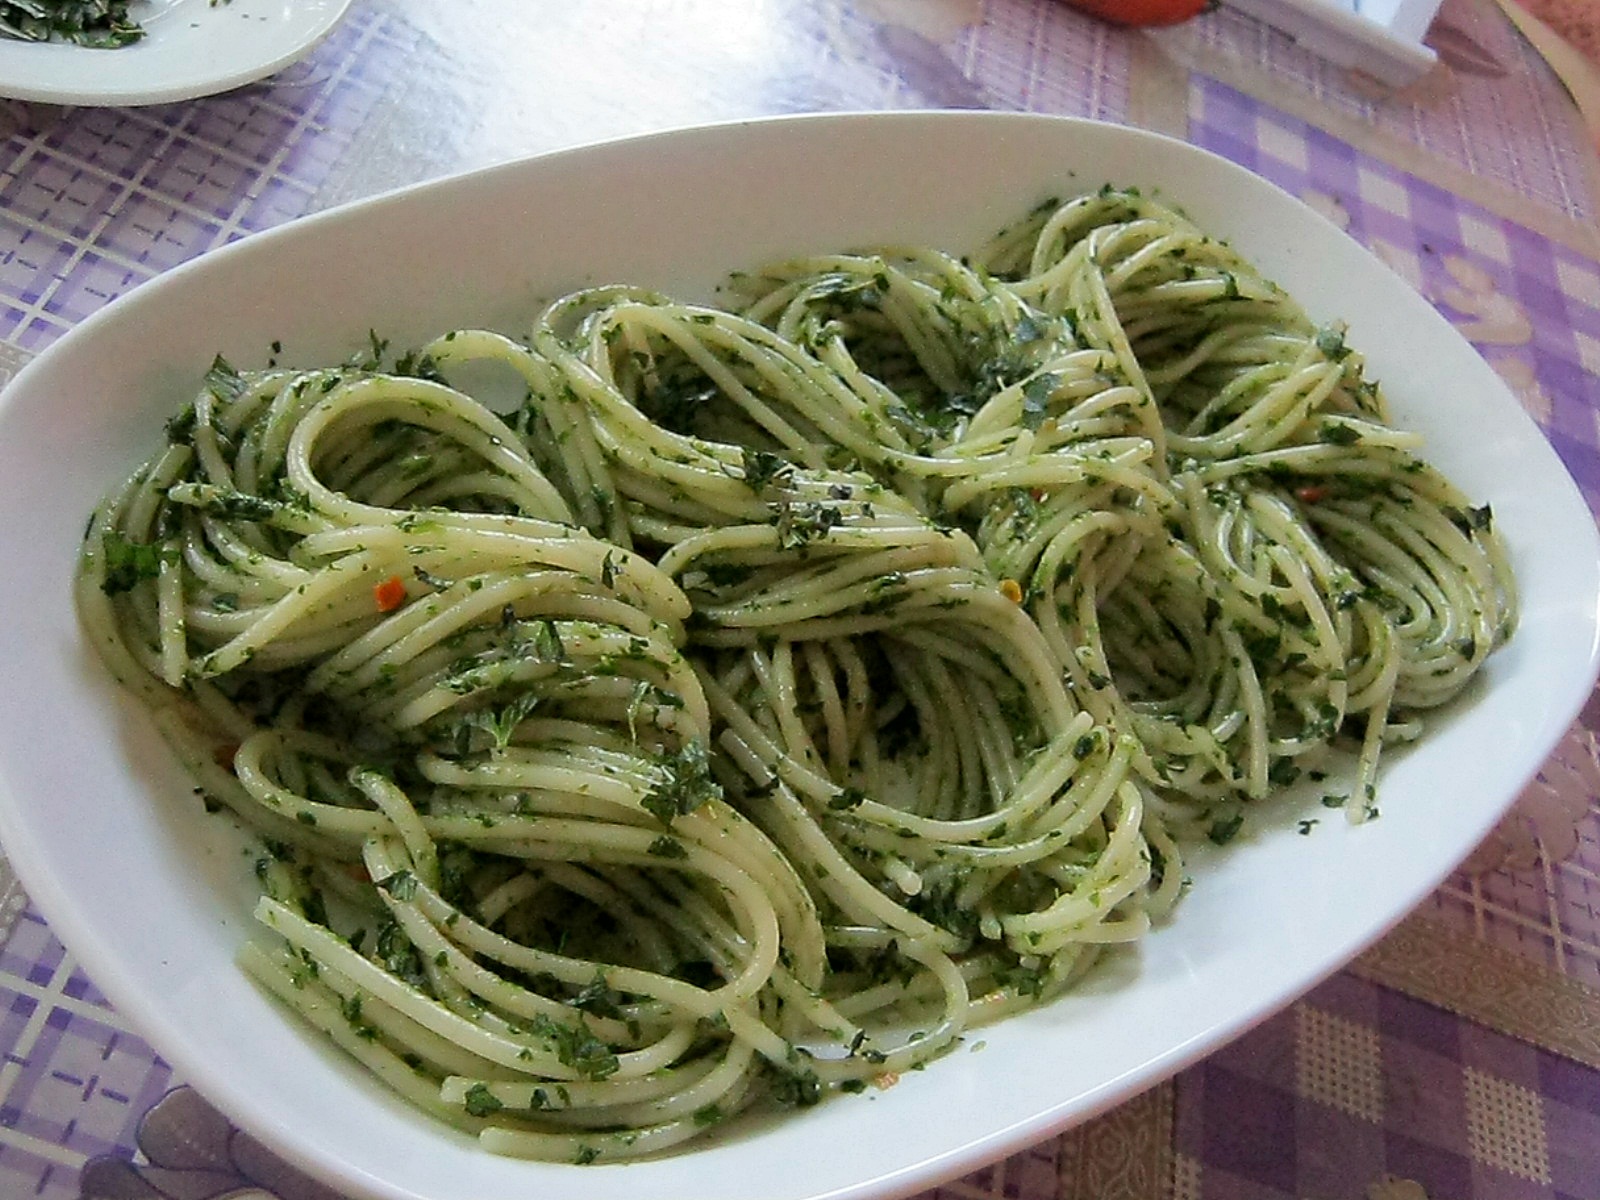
pixel 778 692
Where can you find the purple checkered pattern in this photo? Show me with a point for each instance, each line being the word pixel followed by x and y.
pixel 1045 58
pixel 74 1080
pixel 100 201
pixel 1357 1083
pixel 1514 126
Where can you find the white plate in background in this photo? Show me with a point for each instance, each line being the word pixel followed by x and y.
pixel 110 842
pixel 190 48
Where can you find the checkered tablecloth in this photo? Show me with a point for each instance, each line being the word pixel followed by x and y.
pixel 1364 1083
pixel 1460 1060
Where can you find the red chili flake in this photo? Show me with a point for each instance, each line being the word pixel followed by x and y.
pixel 390 594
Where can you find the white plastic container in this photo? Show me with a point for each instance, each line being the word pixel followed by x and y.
pixel 1381 38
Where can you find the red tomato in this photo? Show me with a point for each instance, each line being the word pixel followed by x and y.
pixel 1143 12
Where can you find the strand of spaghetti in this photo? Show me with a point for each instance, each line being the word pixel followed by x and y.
pixel 326 1011
pixel 687 1090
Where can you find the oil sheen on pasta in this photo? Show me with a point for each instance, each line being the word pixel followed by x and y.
pixel 784 689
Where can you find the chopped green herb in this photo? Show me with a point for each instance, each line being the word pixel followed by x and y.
pixel 1338 433
pixel 797 1089
pixel 846 798
pixel 1224 829
pixel 577 1047
pixel 1283 772
pixel 402 885
pixel 547 642
pixel 687 784
pixel 598 997
pixel 98 24
pixel 1330 340
pixel 762 468
pixel 223 381
pixel 129 562
pixel 1036 395
pixel 481 1102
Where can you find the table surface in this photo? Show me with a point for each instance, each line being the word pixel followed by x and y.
pixel 1458 1059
